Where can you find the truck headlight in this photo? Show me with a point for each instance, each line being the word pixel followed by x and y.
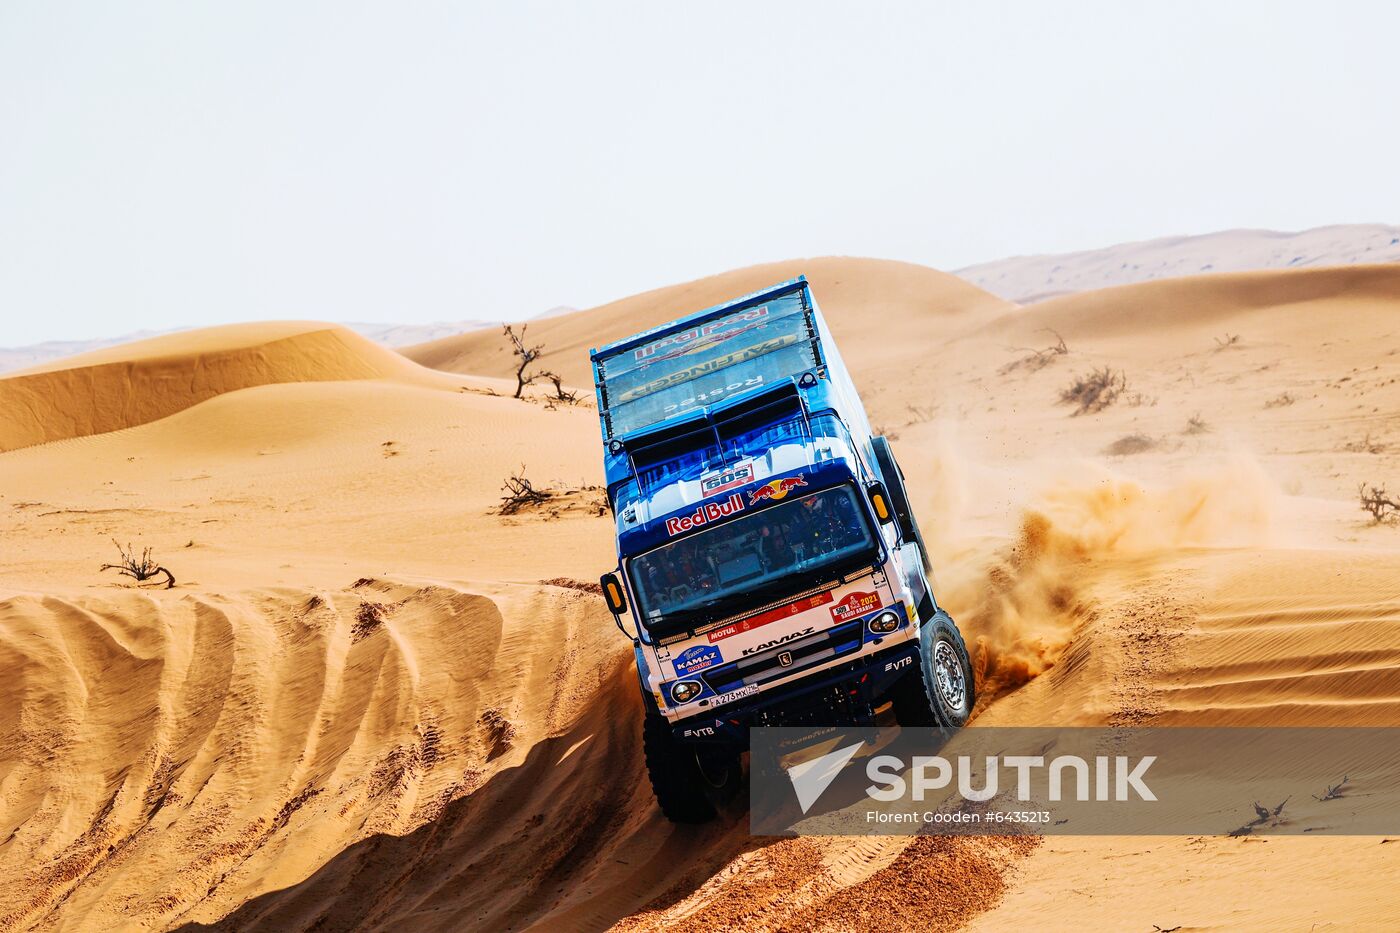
pixel 685 690
pixel 884 623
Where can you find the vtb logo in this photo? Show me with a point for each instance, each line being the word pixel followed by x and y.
pixel 777 489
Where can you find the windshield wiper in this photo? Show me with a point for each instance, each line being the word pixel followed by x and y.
pixel 681 619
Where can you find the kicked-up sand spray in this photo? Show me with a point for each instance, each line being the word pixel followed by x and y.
pixel 1021 603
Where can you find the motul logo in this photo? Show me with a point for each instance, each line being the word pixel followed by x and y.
pixel 709 512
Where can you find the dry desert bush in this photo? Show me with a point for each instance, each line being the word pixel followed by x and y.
pixel 1130 444
pixel 1095 391
pixel 525 355
pixel 140 568
pixel 1335 791
pixel 1364 446
pixel 561 394
pixel 520 493
pixel 1037 360
pixel 1374 500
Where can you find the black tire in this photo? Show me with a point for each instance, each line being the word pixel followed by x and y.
pixel 687 779
pixel 899 497
pixel 910 701
pixel 941 646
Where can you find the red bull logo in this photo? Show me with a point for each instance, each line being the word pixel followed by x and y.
pixel 776 489
pixel 709 512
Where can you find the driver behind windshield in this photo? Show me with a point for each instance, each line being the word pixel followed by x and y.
pixel 822 522
pixel 774 547
pixel 684 575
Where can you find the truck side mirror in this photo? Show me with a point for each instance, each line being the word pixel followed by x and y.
pixel 612 593
pixel 880 502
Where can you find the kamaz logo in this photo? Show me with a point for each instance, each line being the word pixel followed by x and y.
pixel 778 641
pixel 896 665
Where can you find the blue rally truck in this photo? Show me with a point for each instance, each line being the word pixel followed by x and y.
pixel 768 558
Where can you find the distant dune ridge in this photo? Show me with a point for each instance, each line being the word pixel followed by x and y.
pixel 1020 279
pixel 374 702
pixel 390 335
pixel 1026 279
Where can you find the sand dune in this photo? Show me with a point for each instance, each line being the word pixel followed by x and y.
pixel 1358 298
pixel 855 295
pixel 13 359
pixel 121 387
pixel 372 702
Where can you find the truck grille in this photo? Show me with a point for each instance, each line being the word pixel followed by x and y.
pixel 767 665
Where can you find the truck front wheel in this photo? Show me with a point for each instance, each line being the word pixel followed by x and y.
pixel 947 671
pixel 688 779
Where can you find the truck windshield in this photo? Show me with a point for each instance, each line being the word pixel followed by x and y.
pixel 758 558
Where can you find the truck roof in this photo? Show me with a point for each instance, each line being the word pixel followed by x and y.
pixel 718 402
pixel 706 358
pixel 697 317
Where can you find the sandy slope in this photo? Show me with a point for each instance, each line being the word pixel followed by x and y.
pixel 373 702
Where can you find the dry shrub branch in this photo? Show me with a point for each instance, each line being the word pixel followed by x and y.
pixel 520 493
pixel 140 568
pixel 561 394
pixel 1037 360
pixel 524 356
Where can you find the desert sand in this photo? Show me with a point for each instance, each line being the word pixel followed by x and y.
pixel 371 701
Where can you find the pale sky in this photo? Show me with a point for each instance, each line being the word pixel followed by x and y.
pixel 190 163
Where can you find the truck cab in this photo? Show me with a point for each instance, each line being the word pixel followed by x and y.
pixel 770 570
